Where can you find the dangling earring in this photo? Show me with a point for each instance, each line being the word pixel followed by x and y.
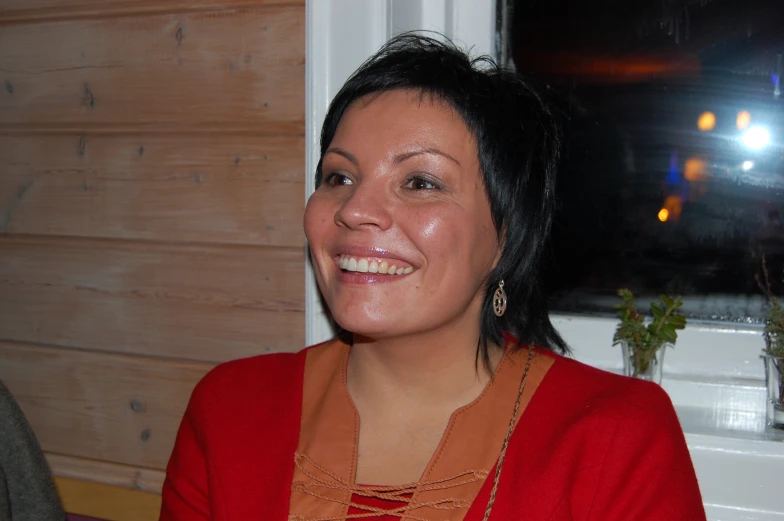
pixel 499 300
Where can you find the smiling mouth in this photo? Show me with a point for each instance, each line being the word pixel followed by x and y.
pixel 369 265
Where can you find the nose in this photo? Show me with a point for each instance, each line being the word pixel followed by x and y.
pixel 365 207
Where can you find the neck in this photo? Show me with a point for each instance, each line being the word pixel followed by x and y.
pixel 437 367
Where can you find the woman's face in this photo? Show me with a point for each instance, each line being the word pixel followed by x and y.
pixel 401 190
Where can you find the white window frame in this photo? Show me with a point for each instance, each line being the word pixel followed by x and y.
pixel 341 34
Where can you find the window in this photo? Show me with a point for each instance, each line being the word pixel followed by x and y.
pixel 673 173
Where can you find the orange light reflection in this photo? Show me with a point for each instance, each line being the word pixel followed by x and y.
pixel 695 169
pixel 673 206
pixel 743 120
pixel 707 121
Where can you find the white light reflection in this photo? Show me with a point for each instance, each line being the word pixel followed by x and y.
pixel 756 138
pixel 747 165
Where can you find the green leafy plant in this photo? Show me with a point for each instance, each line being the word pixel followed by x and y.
pixel 774 321
pixel 645 340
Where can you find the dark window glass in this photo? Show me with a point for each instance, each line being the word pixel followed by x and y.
pixel 673 174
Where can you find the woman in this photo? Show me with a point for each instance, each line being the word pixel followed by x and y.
pixel 447 401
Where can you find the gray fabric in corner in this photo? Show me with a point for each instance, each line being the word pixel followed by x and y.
pixel 27 491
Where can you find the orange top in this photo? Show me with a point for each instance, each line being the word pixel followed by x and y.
pixel 469 448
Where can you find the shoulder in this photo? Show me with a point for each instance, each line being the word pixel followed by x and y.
pixel 252 382
pixel 258 371
pixel 625 436
pixel 600 403
pixel 596 386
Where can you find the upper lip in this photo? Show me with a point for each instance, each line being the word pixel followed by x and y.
pixel 355 250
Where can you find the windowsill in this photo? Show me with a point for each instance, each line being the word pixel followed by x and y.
pixel 738 463
pixel 715 379
pixel 731 424
pixel 704 352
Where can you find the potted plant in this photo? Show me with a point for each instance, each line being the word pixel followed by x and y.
pixel 643 345
pixel 773 353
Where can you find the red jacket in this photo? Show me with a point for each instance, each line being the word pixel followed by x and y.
pixel 590 446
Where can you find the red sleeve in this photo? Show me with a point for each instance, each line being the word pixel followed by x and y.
pixel 185 494
pixel 234 449
pixel 647 474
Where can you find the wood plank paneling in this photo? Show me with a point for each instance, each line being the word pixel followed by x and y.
pixel 107 502
pixel 185 301
pixel 116 408
pixel 221 69
pixel 217 189
pixel 115 474
pixel 30 10
pixel 151 200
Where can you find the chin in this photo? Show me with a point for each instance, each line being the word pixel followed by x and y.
pixel 360 314
pixel 364 326
pixel 371 325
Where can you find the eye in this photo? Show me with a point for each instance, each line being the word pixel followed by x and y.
pixel 421 183
pixel 338 179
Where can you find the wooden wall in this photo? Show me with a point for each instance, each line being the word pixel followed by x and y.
pixel 151 198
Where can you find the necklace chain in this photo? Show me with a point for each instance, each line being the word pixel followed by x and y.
pixel 509 431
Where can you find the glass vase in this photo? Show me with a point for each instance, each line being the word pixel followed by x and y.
pixel 774 380
pixel 646 366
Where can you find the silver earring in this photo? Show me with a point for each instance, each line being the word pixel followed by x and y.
pixel 499 300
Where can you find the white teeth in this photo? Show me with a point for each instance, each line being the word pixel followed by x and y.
pixel 362 265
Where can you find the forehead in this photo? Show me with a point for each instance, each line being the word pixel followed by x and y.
pixel 402 119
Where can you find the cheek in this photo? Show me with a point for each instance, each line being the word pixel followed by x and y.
pixel 431 228
pixel 434 230
pixel 445 236
pixel 317 217
pixel 459 239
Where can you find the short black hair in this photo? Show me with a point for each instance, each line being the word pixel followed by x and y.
pixel 519 144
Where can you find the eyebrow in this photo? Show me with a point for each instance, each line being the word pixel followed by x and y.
pixel 408 155
pixel 398 158
pixel 344 153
